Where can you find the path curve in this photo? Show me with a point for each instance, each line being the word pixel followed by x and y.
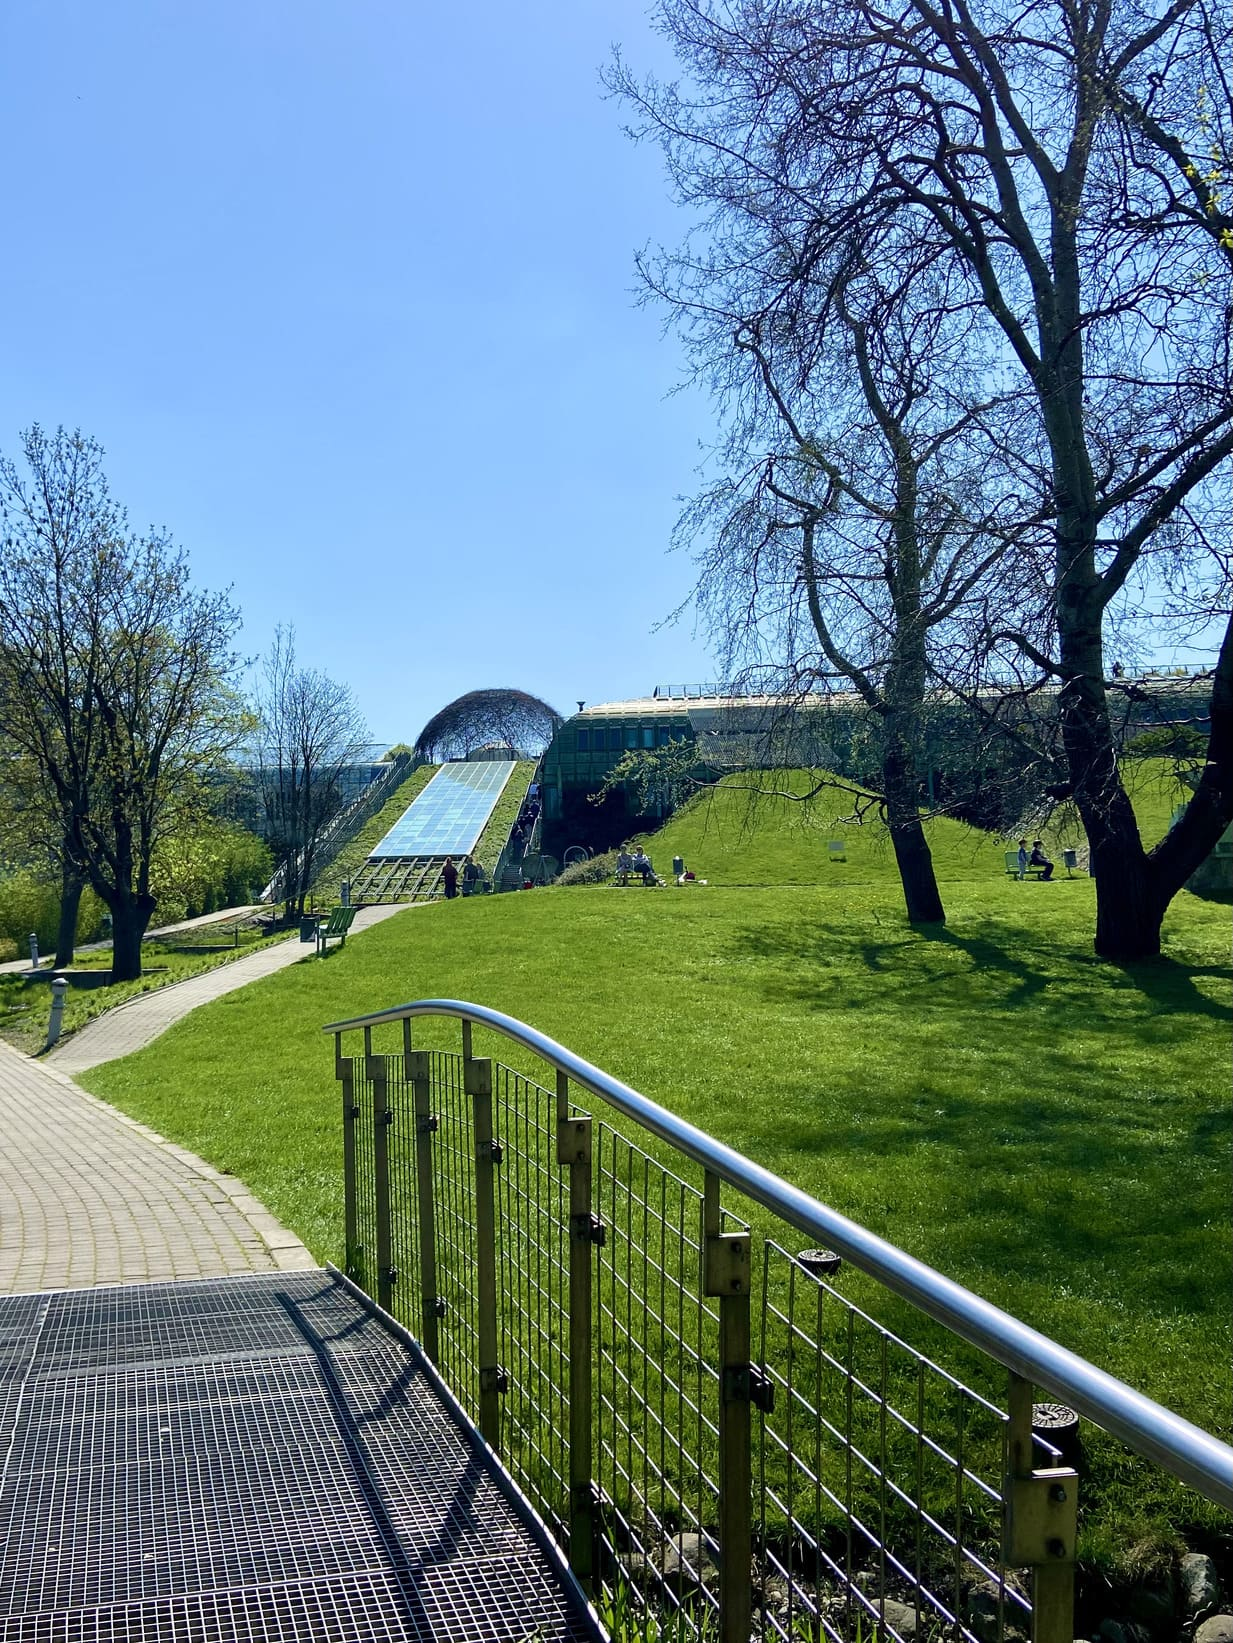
pixel 133 1025
pixel 88 1196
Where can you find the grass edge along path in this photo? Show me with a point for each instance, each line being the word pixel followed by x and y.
pixel 1052 1132
pixel 28 1032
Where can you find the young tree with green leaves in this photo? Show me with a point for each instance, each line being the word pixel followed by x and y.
pixel 116 675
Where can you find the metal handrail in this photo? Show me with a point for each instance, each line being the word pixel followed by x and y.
pixel 1173 1443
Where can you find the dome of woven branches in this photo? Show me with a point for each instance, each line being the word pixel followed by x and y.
pixel 489 719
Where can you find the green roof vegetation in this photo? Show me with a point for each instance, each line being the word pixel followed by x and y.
pixel 744 832
pixel 354 854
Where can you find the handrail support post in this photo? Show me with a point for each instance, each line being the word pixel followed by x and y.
pixel 418 1068
pixel 574 1154
pixel 726 1277
pixel 1040 1522
pixel 477 1073
pixel 344 1071
pixel 376 1068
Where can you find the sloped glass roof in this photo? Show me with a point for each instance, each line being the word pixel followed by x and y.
pixel 448 817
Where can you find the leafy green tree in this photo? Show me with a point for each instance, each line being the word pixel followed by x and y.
pixel 115 674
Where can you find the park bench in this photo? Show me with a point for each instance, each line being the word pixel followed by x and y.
pixel 335 927
pixel 633 875
pixel 1012 867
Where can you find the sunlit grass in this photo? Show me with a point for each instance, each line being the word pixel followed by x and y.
pixel 1052 1131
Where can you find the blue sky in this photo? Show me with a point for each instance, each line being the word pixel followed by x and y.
pixel 346 291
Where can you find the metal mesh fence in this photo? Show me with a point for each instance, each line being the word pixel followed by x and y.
pixel 878 1474
pixel 656 1385
pixel 532 1238
pixel 875 1498
pixel 358 1136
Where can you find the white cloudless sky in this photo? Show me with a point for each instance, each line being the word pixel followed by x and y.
pixel 345 288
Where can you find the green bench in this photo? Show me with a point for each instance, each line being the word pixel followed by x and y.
pixel 335 927
pixel 1012 867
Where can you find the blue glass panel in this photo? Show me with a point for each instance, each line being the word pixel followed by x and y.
pixel 450 814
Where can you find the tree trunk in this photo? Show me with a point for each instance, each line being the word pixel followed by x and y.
pixel 130 916
pixel 912 854
pixel 1129 910
pixel 71 885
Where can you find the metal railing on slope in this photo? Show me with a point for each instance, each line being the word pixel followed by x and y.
pixel 684 1397
pixel 343 827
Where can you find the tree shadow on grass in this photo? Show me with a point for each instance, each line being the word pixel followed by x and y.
pixel 875 970
pixel 1013 1094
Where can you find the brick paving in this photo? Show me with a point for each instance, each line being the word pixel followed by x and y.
pixel 132 1026
pixel 88 1196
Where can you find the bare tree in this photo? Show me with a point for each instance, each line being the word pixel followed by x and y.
pixel 114 674
pixel 861 538
pixel 1069 160
pixel 309 731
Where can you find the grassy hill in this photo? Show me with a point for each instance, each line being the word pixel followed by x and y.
pixel 749 831
pixel 1051 1131
pixel 356 852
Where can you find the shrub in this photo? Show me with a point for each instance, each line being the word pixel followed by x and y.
pixel 598 870
pixel 28 903
pixel 221 864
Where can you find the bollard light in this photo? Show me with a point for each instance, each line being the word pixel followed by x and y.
pixel 34 950
pixel 59 987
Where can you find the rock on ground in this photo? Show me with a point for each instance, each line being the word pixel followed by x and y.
pixel 1200 1585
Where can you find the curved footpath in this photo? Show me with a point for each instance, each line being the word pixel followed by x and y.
pixel 131 1026
pixel 88 1196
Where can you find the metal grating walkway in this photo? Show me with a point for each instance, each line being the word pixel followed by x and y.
pixel 250 1458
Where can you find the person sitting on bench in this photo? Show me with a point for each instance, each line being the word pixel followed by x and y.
pixel 625 865
pixel 642 864
pixel 1039 859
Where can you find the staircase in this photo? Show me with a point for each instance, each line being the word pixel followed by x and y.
pixel 398 878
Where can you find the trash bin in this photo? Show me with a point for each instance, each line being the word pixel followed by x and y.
pixel 678 867
pixel 308 927
pixel 1070 860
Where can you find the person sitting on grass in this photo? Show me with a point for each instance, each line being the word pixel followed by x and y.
pixel 1039 859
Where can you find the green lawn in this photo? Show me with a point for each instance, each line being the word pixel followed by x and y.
pixel 25 1005
pixel 1051 1131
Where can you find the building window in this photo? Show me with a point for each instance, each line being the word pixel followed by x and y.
pixel 631 736
pixel 615 739
pixel 648 736
pixel 662 735
pixel 584 741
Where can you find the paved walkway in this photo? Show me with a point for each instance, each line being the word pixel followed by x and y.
pixel 132 1026
pixel 88 1196
pixel 228 915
